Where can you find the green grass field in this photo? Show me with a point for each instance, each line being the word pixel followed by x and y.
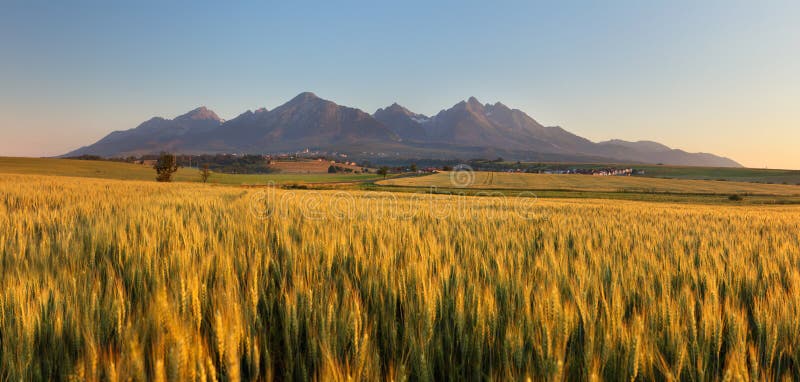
pixel 627 184
pixel 128 171
pixel 736 174
pixel 756 175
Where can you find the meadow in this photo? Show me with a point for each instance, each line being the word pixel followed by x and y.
pixel 130 171
pixel 135 280
pixel 628 184
pixel 736 174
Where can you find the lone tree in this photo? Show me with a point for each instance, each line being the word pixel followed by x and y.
pixel 383 171
pixel 165 167
pixel 205 173
pixel 413 167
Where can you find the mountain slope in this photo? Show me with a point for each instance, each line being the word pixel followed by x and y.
pixel 306 121
pixel 406 124
pixel 154 135
pixel 469 129
pixel 654 152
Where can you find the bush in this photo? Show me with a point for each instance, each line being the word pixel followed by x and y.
pixel 165 167
pixel 735 198
pixel 295 186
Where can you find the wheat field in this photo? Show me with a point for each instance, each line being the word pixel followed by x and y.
pixel 523 181
pixel 129 280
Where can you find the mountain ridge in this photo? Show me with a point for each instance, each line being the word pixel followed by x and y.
pixel 467 129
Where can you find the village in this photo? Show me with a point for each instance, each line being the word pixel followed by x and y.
pixel 596 171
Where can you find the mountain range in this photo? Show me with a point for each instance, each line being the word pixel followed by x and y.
pixel 469 129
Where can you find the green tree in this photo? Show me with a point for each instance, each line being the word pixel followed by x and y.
pixel 165 167
pixel 205 173
pixel 413 167
pixel 383 171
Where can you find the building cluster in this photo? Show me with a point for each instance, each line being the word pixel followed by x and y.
pixel 596 171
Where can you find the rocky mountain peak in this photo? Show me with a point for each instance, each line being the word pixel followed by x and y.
pixel 468 129
pixel 304 97
pixel 200 113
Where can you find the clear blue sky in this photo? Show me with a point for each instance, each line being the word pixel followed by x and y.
pixel 717 76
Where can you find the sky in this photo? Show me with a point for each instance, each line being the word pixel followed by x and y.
pixel 711 76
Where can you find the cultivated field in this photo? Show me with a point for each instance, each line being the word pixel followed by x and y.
pixel 129 171
pixel 308 166
pixel 522 181
pixel 127 280
pixel 737 174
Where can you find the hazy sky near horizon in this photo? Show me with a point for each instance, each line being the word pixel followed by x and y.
pixel 713 76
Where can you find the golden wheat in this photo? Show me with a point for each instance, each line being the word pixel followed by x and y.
pixel 137 281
